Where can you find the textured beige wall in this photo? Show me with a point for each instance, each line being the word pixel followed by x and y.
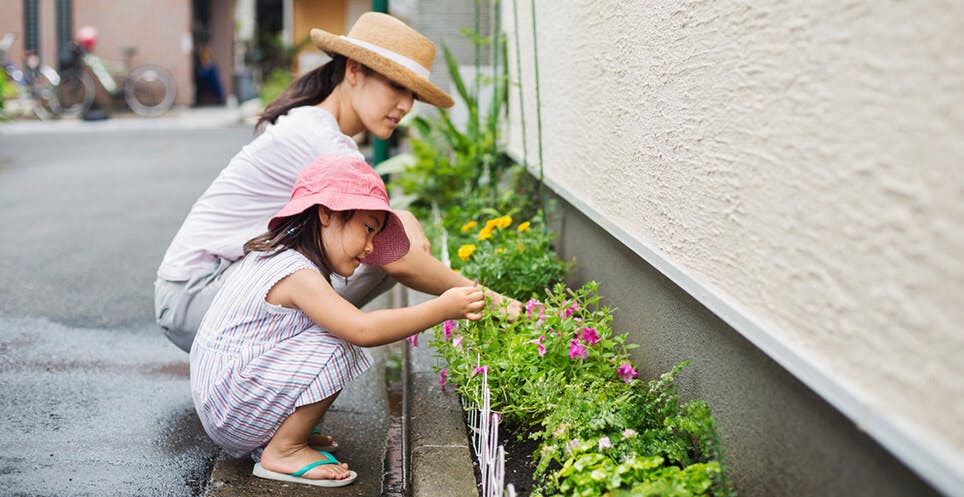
pixel 802 160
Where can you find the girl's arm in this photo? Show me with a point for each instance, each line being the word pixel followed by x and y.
pixel 308 291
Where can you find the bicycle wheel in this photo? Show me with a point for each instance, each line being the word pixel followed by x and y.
pixel 149 90
pixel 43 89
pixel 75 93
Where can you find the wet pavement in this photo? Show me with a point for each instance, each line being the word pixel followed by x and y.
pixel 95 401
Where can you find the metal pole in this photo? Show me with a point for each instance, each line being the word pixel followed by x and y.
pixel 379 146
pixel 65 29
pixel 31 26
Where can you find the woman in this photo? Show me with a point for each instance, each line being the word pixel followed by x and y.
pixel 376 73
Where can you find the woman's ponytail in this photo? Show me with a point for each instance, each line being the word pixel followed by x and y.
pixel 309 89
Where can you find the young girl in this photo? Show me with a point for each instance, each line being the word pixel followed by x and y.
pixel 278 343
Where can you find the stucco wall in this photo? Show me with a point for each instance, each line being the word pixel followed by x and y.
pixel 799 160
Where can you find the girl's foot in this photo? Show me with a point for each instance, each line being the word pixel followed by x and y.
pixel 291 461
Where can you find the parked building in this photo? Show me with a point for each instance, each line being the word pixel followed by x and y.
pixel 774 191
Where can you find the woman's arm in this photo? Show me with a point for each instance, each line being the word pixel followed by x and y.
pixel 420 271
pixel 416 235
pixel 308 291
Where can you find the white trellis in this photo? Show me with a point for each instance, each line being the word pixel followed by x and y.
pixel 484 425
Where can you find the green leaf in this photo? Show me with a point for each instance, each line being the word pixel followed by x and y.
pixel 395 164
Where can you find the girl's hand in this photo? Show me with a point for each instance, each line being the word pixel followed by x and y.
pixel 463 302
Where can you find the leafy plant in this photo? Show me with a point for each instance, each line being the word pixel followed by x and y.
pixel 452 164
pixel 562 373
pixel 566 339
pixel 643 419
pixel 514 260
pixel 274 84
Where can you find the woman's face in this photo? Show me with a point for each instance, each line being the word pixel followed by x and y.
pixel 349 241
pixel 380 102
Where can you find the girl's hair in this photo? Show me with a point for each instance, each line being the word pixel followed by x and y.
pixel 309 89
pixel 301 232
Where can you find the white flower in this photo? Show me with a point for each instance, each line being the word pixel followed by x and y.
pixel 604 443
pixel 629 433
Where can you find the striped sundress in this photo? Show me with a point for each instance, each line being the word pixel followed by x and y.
pixel 253 362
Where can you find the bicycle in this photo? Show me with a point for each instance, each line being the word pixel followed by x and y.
pixel 35 85
pixel 148 90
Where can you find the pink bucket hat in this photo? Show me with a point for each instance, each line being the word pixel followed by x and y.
pixel 342 183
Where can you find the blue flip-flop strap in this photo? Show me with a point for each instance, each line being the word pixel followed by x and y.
pixel 316 431
pixel 328 459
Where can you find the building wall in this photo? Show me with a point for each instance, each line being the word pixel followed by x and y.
pixel 12 22
pixel 222 41
pixel 797 165
pixel 159 29
pixel 308 14
pixel 335 17
pixel 780 438
pixel 442 21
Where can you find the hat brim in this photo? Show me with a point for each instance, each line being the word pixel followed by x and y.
pixel 423 88
pixel 391 243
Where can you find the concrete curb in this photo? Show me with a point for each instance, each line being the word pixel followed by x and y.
pixel 441 461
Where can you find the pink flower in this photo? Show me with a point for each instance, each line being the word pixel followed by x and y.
pixel 457 341
pixel 626 372
pixel 568 311
pixel 447 328
pixel 573 445
pixel 483 369
pixel 532 305
pixel 413 339
pixel 605 443
pixel 589 335
pixel 542 348
pixel 577 349
pixel 443 375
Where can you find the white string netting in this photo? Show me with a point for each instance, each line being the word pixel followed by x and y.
pixel 484 426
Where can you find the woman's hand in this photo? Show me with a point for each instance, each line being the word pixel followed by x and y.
pixel 416 236
pixel 463 302
pixel 509 308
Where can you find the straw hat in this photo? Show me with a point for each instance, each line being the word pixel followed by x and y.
pixel 391 48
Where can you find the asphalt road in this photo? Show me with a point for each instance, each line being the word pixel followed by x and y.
pixel 95 401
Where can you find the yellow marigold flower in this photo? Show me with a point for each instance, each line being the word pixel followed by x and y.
pixel 491 224
pixel 500 250
pixel 485 233
pixel 465 251
pixel 504 221
pixel 523 227
pixel 469 225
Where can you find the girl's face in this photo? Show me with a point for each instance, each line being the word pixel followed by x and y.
pixel 379 102
pixel 349 241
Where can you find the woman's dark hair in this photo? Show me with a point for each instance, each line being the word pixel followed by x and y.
pixel 301 232
pixel 309 89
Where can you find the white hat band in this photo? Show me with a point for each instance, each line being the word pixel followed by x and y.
pixel 409 64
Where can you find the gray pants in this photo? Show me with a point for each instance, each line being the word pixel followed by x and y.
pixel 179 306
